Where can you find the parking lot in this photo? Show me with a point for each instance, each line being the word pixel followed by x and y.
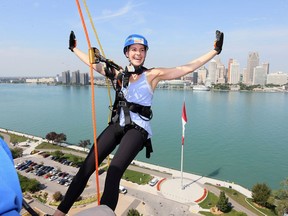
pixel 53 175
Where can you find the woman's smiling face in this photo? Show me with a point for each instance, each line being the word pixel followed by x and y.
pixel 136 54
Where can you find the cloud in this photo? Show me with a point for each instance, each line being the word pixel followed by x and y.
pixel 107 15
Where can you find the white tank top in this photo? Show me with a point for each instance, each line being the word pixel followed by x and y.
pixel 139 92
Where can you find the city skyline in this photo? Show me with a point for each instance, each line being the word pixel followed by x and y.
pixel 35 40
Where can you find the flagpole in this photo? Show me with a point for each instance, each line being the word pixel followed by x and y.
pixel 182 155
pixel 184 121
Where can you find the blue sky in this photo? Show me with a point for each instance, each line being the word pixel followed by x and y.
pixel 34 34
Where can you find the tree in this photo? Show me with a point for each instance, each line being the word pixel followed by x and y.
pixel 17 152
pixel 261 194
pixel 84 143
pixel 51 136
pixel 58 154
pixel 223 203
pixel 31 185
pixel 60 138
pixel 281 196
pixel 57 196
pixel 133 212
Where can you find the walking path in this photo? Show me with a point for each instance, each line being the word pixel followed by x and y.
pixel 186 188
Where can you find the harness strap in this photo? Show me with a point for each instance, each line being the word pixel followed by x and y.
pixel 147 142
pixel 142 110
pixel 123 104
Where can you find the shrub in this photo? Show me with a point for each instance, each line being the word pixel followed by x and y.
pixel 57 196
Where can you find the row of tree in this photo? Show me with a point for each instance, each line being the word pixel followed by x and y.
pixel 263 196
pixel 276 201
pixel 53 136
pixel 61 137
pixel 261 193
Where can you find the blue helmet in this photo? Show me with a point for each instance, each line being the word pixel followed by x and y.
pixel 135 39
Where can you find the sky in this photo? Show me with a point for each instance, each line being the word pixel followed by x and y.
pixel 34 33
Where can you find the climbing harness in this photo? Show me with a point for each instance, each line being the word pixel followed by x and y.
pixel 122 81
pixel 144 112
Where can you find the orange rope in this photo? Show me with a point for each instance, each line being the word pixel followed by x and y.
pixel 93 103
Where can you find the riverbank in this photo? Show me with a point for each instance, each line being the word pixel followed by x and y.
pixel 173 172
pixel 193 191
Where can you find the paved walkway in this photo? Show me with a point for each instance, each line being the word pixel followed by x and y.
pixel 183 191
pixel 196 178
pixel 184 188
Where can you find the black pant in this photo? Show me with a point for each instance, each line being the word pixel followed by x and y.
pixel 130 143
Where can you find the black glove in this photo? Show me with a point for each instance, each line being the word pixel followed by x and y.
pixel 110 72
pixel 219 41
pixel 72 41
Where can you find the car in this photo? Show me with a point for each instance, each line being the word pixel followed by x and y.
pixel 67 183
pixel 122 189
pixel 153 181
pixel 53 177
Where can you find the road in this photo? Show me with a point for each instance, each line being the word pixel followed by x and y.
pixel 151 200
pixel 155 204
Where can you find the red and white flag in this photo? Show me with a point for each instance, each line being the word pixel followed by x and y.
pixel 184 121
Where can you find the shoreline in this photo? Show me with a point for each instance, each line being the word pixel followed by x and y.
pixel 175 173
pixel 102 84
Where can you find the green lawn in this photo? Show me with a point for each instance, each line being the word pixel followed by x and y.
pixel 136 177
pixel 16 139
pixel 212 199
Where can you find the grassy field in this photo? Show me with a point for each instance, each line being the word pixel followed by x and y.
pixel 212 199
pixel 142 179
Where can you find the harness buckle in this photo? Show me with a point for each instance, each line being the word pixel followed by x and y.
pixel 122 103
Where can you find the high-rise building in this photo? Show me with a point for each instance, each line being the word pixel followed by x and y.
pixel 220 73
pixel 66 77
pixel 266 67
pixel 195 77
pixel 234 77
pixel 212 71
pixel 244 74
pixel 202 75
pixel 259 76
pixel 75 77
pixel 253 61
pixel 229 71
pixel 84 79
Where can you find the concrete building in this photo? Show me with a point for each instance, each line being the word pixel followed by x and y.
pixel 278 78
pixel 84 79
pixel 40 80
pixel 234 76
pixel 259 76
pixel 202 75
pixel 220 73
pixel 195 77
pixel 212 71
pixel 66 77
pixel 75 77
pixel 229 69
pixel 253 61
pixel 266 66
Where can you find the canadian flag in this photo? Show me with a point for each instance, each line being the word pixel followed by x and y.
pixel 184 121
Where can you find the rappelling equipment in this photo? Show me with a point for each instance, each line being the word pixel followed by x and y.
pixel 119 82
pixel 92 104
